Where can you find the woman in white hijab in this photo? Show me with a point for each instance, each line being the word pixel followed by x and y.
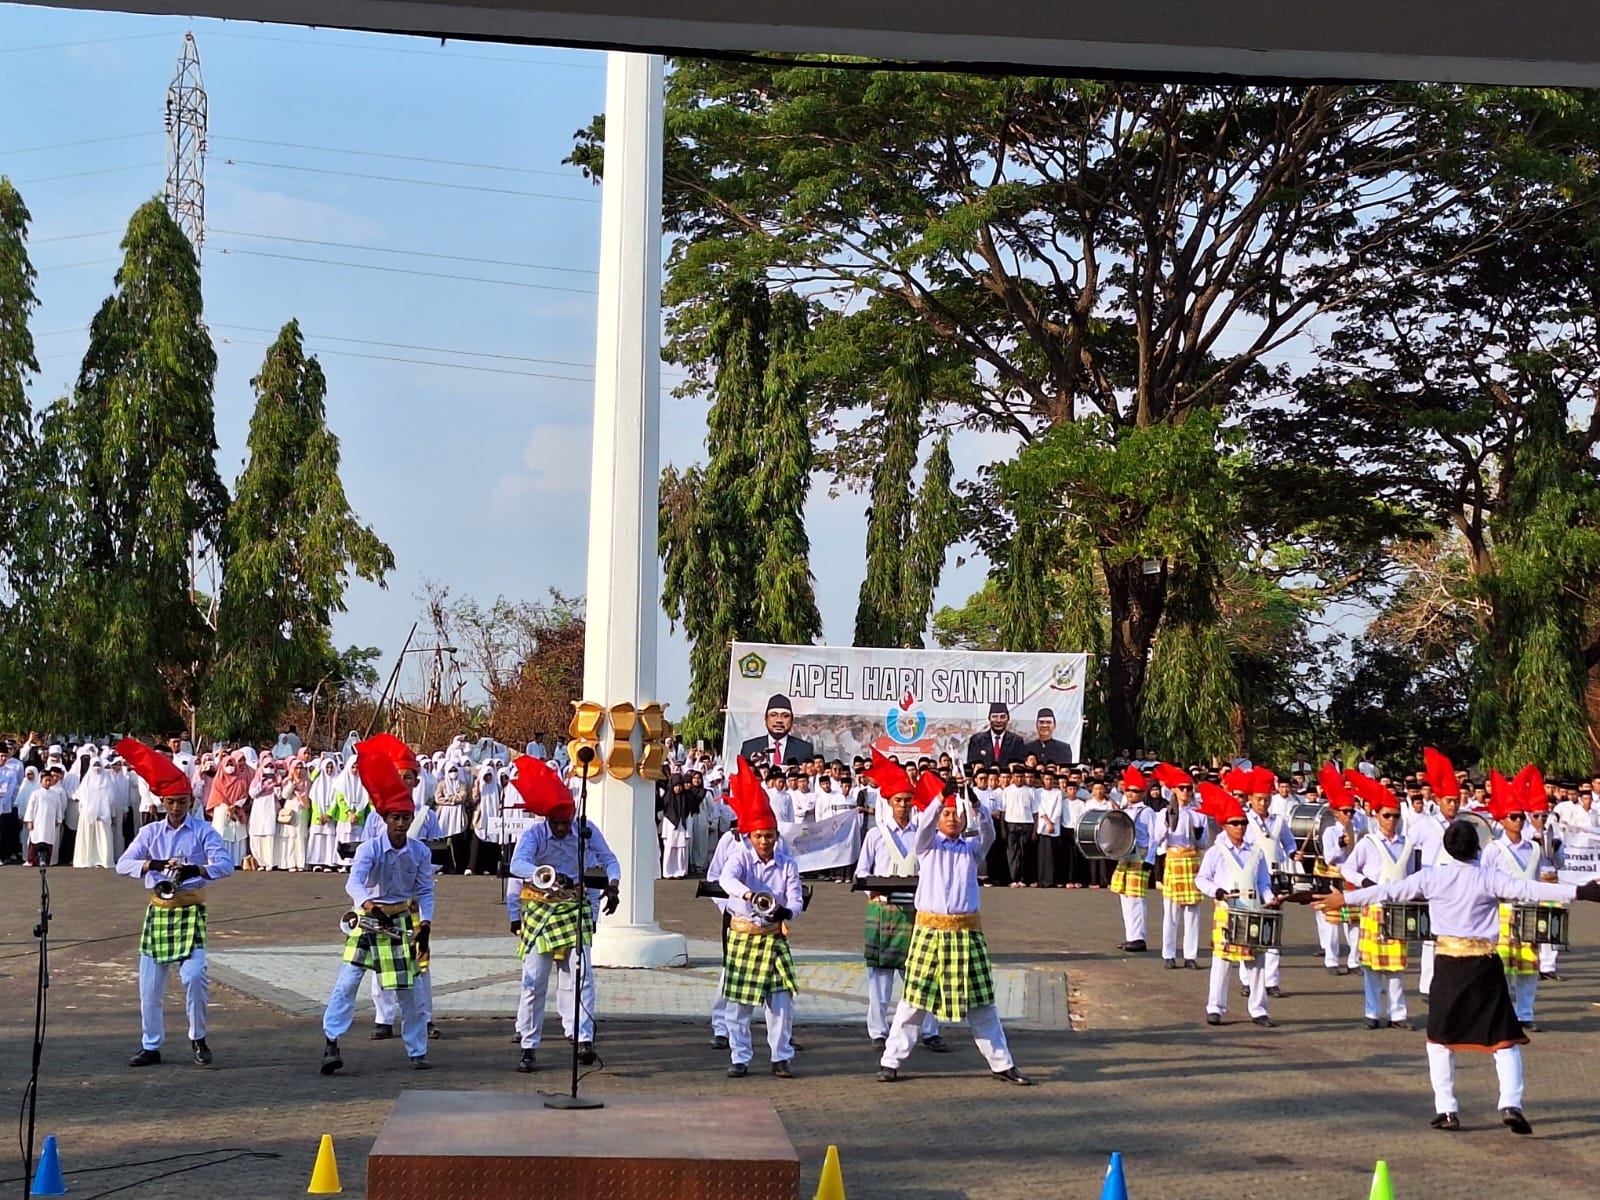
pixel 227 804
pixel 484 856
pixel 94 795
pixel 452 799
pixel 264 815
pixel 295 804
pixel 351 805
pixel 322 842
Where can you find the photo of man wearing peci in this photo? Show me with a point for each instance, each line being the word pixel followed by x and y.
pixel 779 746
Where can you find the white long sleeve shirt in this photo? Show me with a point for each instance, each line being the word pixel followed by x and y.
pixel 1463 898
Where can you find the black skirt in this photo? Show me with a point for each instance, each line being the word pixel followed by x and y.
pixel 1469 1007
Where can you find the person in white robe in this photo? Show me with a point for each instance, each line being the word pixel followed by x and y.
pixel 264 816
pixel 452 800
pixel 294 802
pixel 94 846
pixel 322 840
pixel 46 808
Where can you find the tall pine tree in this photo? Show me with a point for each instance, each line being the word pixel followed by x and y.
pixel 289 545
pixel 880 610
pixel 137 443
pixel 17 452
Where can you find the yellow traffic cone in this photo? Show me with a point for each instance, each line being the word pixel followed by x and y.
pixel 325 1175
pixel 831 1185
pixel 1381 1190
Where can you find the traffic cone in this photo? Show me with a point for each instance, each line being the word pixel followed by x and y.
pixel 1116 1187
pixel 1381 1189
pixel 47 1179
pixel 325 1175
pixel 831 1185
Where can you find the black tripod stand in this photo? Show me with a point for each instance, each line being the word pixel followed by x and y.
pixel 572 1099
pixel 42 932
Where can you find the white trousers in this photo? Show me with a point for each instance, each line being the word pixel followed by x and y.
pixel 535 986
pixel 341 1011
pixel 1374 985
pixel 153 991
pixel 1133 918
pixel 1272 960
pixel 1252 976
pixel 1171 915
pixel 387 1003
pixel 1523 989
pixel 719 1009
pixel 1547 958
pixel 1425 979
pixel 563 1006
pixel 1442 1073
pixel 984 1021
pixel 1328 939
pixel 780 1023
pixel 880 988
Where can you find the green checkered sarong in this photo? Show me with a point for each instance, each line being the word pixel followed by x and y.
pixel 888 934
pixel 755 965
pixel 171 934
pixel 393 958
pixel 552 927
pixel 948 971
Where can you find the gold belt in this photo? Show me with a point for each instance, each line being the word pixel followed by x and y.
pixel 1182 852
pixel 182 899
pixel 949 922
pixel 751 928
pixel 1463 947
pixel 556 896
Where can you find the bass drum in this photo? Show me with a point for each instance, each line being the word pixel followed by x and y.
pixel 1310 820
pixel 1480 826
pixel 1106 833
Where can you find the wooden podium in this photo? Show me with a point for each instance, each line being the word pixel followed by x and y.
pixel 451 1145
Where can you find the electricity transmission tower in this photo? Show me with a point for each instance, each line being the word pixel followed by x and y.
pixel 186 146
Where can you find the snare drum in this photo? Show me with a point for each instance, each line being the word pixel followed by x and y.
pixel 1309 821
pixel 1106 833
pixel 1258 928
pixel 1481 826
pixel 1407 923
pixel 1536 925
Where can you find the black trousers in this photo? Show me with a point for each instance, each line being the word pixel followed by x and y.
pixel 1047 860
pixel 10 836
pixel 1017 852
pixel 999 873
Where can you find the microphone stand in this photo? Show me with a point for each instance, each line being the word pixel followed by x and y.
pixel 42 932
pixel 572 1100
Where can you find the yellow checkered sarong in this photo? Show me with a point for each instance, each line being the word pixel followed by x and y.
pixel 1346 914
pixel 1518 958
pixel 1377 952
pixel 1130 879
pixel 1183 864
pixel 1220 946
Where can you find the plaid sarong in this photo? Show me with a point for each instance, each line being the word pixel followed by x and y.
pixel 394 958
pixel 1378 953
pixel 551 927
pixel 171 934
pixel 1518 958
pixel 1221 947
pixel 948 971
pixel 1178 881
pixel 755 965
pixel 1346 914
pixel 1130 879
pixel 888 934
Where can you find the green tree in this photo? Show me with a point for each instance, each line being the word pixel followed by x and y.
pixel 19 546
pixel 290 543
pixel 137 444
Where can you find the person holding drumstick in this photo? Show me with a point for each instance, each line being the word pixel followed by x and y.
pixel 1232 869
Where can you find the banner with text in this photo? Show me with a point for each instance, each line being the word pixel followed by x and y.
pixel 907 703
pixel 1580 854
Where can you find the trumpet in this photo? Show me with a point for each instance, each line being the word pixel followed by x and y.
pixel 167 886
pixel 764 904
pixel 357 921
pixel 544 878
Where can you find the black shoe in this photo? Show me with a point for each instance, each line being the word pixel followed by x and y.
pixel 794 1045
pixel 145 1058
pixel 1191 965
pixel 1275 992
pixel 1012 1075
pixel 936 1044
pixel 1531 1026
pixel 1134 947
pixel 1408 1025
pixel 782 1069
pixel 888 1075
pixel 526 1064
pixel 1265 1022
pixel 1448 1122
pixel 879 1043
pixel 1244 991
pixel 738 1071
pixel 1170 964
pixel 1213 1018
pixel 433 1032
pixel 1515 1121
pixel 719 1042
pixel 1372 1023
pixel 382 1033
pixel 1341 970
pixel 202 1052
pixel 1548 975
pixel 586 1054
pixel 332 1060
pixel 421 1063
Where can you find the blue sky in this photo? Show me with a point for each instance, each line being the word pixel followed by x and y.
pixel 475 477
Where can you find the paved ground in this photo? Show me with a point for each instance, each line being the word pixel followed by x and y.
pixel 1233 1113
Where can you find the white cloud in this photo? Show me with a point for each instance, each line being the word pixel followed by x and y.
pixel 556 459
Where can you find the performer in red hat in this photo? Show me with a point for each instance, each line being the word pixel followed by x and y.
pixel 1520 856
pixel 187 853
pixel 1379 857
pixel 1425 838
pixel 1131 880
pixel 1182 832
pixel 1334 848
pixel 1232 869
pixel 1270 831
pixel 391 883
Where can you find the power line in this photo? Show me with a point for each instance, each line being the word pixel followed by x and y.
pixel 425 362
pixel 333 262
pixel 465 187
pixel 328 337
pixel 522 62
pixel 492 262
pixel 443 162
pixel 72 237
pixel 121 137
pixel 85 174
pixel 127 37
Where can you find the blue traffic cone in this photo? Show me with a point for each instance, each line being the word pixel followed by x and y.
pixel 1116 1187
pixel 47 1179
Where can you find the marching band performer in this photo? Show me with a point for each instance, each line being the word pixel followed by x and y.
pixel 1425 838
pixel 1182 829
pixel 1469 1008
pixel 1333 851
pixel 559 922
pixel 757 964
pixel 948 972
pixel 1542 828
pixel 1271 832
pixel 890 850
pixel 1131 880
pixel 1232 868
pixel 1519 857
pixel 391 882
pixel 186 853
pixel 1380 857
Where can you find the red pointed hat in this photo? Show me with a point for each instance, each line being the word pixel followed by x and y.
pixel 1133 779
pixel 1262 781
pixel 750 804
pixel 1441 775
pixel 1236 779
pixel 930 787
pixel 1170 776
pixel 399 753
pixel 888 776
pixel 1218 804
pixel 163 775
pixel 1374 793
pixel 1335 788
pixel 1505 797
pixel 387 791
pixel 1533 793
pixel 542 791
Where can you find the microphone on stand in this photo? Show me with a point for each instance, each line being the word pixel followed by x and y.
pixel 572 1100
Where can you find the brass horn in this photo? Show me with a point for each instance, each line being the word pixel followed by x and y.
pixel 545 878
pixel 764 904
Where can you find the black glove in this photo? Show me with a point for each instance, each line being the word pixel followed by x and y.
pixel 1366 883
pixel 1590 891
pixel 782 914
pixel 613 897
pixel 516 928
pixel 190 871
pixel 1222 893
pixel 422 939
pixel 158 864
